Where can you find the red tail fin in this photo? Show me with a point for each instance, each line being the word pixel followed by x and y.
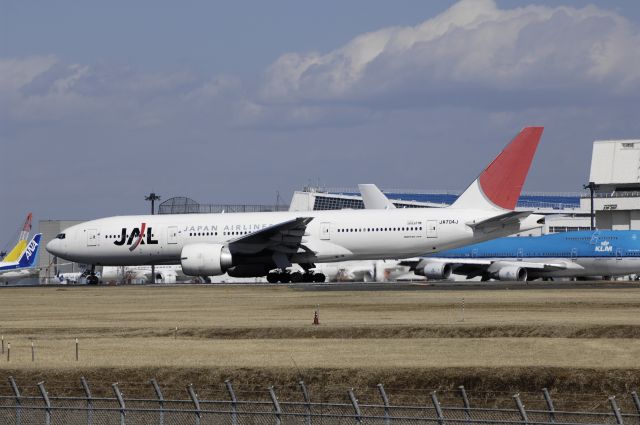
pixel 503 179
pixel 27 223
pixel 500 184
pixel 26 228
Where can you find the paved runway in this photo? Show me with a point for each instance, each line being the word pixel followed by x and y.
pixel 401 286
pixel 453 286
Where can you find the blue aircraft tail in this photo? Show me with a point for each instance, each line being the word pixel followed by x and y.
pixel 30 253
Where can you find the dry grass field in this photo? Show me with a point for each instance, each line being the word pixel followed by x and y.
pixel 568 340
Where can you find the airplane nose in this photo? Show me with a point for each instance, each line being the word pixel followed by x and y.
pixel 53 247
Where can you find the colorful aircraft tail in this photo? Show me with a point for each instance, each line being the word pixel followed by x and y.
pixel 30 254
pixel 15 252
pixel 499 186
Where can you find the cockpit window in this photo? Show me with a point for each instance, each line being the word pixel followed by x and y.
pixel 61 236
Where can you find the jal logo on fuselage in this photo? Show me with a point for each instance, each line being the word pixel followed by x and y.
pixel 137 236
pixel 604 246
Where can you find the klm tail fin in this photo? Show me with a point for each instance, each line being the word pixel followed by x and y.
pixel 15 252
pixel 30 253
pixel 499 186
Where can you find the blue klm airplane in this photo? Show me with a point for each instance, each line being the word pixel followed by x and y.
pixel 572 254
pixel 594 253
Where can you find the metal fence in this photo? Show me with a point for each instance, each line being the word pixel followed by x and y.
pixel 90 410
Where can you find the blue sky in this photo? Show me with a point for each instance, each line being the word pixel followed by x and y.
pixel 102 102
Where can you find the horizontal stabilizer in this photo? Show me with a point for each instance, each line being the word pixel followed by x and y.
pixel 502 220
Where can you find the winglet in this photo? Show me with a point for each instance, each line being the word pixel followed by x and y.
pixel 500 184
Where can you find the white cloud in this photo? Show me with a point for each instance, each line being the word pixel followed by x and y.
pixel 44 89
pixel 473 54
pixel 473 47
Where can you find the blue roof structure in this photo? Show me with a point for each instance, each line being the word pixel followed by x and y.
pixel 551 200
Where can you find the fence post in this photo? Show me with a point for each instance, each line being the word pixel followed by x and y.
pixel 616 410
pixel 520 406
pixel 16 393
pixel 118 394
pixel 465 403
pixel 636 401
pixel 234 402
pixel 158 392
pixel 196 403
pixel 47 402
pixel 276 405
pixel 356 406
pixel 436 405
pixel 385 402
pixel 87 393
pixel 550 408
pixel 307 402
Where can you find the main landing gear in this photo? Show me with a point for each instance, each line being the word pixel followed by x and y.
pixel 285 276
pixel 92 279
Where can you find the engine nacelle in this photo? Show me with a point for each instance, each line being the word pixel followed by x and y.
pixel 205 259
pixel 166 276
pixel 512 273
pixel 435 271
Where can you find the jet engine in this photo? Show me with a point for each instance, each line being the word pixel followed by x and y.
pixel 166 276
pixel 435 271
pixel 512 273
pixel 205 259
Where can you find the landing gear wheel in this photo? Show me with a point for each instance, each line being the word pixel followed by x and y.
pixel 319 277
pixel 307 277
pixel 273 277
pixel 296 277
pixel 284 277
pixel 92 279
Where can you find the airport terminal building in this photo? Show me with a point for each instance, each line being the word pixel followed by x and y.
pixel 615 178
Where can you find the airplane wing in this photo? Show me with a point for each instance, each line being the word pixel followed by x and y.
pixel 498 221
pixel 476 267
pixel 283 238
pixel 530 265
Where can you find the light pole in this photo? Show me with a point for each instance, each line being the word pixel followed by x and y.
pixel 592 187
pixel 153 198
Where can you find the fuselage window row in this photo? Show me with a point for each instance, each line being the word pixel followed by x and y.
pixel 380 229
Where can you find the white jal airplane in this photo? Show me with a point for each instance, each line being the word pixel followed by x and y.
pixel 255 244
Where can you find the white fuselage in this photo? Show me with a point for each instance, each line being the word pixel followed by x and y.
pixel 12 276
pixel 331 235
